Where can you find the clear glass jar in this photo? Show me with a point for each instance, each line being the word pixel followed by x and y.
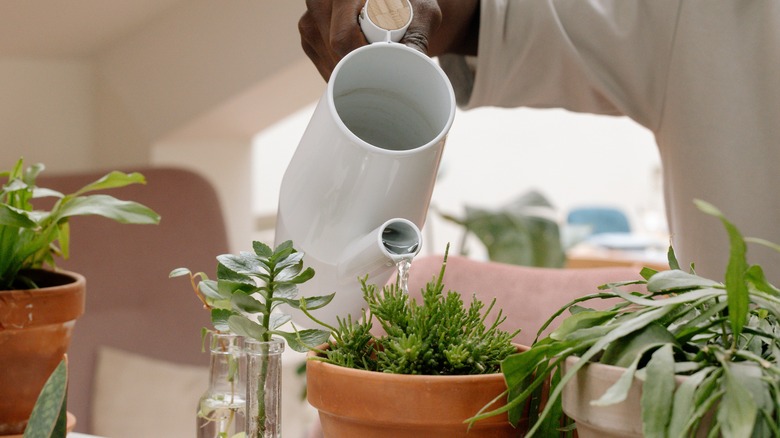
pixel 264 388
pixel 220 412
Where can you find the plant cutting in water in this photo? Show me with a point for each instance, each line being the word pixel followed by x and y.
pixel 724 338
pixel 440 336
pixel 245 300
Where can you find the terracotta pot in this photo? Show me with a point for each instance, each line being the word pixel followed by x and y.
pixel 358 404
pixel 35 331
pixel 621 420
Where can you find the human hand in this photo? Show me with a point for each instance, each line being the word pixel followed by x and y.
pixel 329 29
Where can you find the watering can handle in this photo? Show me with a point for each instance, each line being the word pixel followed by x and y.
pixel 385 20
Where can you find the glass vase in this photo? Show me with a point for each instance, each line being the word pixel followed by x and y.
pixel 264 388
pixel 220 412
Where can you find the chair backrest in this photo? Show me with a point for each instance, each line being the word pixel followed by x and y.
pixel 600 219
pixel 131 304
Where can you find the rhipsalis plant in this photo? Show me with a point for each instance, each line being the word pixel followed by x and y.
pixel 724 338
pixel 245 298
pixel 440 336
pixel 31 237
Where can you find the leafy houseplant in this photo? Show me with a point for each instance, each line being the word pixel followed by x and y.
pixel 245 300
pixel 705 354
pixel 434 353
pixel 40 303
pixel 520 233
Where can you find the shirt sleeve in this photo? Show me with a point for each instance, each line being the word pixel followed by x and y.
pixel 599 56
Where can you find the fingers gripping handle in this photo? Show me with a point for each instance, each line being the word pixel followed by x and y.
pixel 385 20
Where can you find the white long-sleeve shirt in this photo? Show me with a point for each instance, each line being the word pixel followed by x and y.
pixel 702 75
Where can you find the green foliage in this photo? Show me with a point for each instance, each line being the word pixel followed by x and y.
pixel 520 233
pixel 30 237
pixel 724 337
pixel 439 336
pixel 249 288
pixel 49 415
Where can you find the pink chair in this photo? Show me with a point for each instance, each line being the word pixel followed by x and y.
pixel 132 305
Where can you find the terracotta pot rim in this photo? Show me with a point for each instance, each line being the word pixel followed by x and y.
pixel 60 303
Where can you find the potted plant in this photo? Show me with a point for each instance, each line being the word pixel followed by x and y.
pixel 38 303
pixel 677 355
pixel 245 299
pixel 433 365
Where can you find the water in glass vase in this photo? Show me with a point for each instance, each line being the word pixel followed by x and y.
pixel 220 418
pixel 221 409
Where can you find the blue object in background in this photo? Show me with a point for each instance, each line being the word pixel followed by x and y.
pixel 600 219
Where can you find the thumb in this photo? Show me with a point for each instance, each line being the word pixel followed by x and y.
pixel 425 21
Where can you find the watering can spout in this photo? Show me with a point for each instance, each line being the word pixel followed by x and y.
pixel 395 240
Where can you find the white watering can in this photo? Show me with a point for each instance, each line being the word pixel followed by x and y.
pixel 357 190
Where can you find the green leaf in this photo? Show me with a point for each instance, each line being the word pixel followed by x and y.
pixel 14 217
pixel 683 404
pixel 278 319
pixel 311 303
pixel 244 263
pixel 737 410
pixel 261 249
pixel 302 340
pixel 736 286
pixel 580 321
pixel 242 326
pixel 179 272
pixel 219 319
pixel 657 393
pixel 625 351
pixel 246 303
pixel 304 276
pixel 619 390
pixel 112 180
pixel 126 212
pixel 673 281
pixel 49 406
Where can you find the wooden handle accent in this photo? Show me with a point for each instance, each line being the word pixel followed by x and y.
pixel 389 14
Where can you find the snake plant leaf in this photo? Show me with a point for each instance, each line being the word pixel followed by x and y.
pixel 125 212
pixel 657 393
pixel 49 410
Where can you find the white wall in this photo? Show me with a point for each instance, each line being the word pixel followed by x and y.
pixel 46 112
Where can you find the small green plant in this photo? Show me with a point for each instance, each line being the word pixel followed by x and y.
pixel 245 298
pixel 30 238
pixel 723 337
pixel 523 232
pixel 440 336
